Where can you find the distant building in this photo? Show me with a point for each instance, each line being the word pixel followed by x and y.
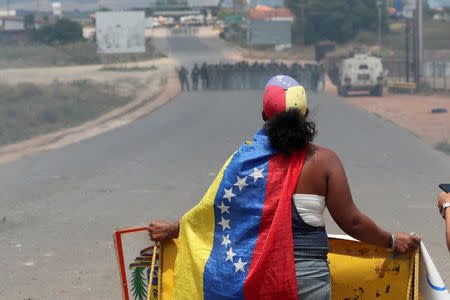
pixel 7 13
pixel 12 30
pixel 57 10
pixel 262 12
pixel 16 23
pixel 270 26
pixel 270 3
pixel 441 16
pixel 438 3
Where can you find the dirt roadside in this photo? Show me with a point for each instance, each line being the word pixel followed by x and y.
pixel 412 112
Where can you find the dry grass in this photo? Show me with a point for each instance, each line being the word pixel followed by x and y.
pixel 28 110
pixel 294 53
pixel 81 53
pixel 436 36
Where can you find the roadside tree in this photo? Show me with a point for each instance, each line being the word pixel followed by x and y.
pixel 64 31
pixel 29 23
pixel 337 20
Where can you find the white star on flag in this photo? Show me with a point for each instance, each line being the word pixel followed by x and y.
pixel 223 208
pixel 225 224
pixel 257 174
pixel 229 194
pixel 230 255
pixel 226 240
pixel 279 77
pixel 239 265
pixel 241 182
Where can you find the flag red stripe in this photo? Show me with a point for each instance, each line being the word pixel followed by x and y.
pixel 272 269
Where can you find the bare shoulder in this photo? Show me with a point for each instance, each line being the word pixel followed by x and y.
pixel 321 153
pixel 324 159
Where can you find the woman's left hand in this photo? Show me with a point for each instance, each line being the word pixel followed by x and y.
pixel 406 242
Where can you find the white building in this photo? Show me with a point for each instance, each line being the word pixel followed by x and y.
pixel 16 23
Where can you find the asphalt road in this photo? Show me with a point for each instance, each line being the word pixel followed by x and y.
pixel 58 209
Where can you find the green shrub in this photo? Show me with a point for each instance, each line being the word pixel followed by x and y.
pixel 64 31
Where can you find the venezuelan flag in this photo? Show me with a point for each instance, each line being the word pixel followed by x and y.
pixel 237 242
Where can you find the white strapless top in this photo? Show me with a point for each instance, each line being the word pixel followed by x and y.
pixel 310 207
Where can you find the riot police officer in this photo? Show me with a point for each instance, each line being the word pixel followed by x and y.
pixel 194 77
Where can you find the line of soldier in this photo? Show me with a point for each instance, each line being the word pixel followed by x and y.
pixel 196 74
pixel 242 75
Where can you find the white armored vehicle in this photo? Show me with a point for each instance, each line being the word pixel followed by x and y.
pixel 361 72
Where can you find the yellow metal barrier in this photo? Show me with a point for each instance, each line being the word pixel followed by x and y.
pixel 398 85
pixel 358 271
pixel 362 271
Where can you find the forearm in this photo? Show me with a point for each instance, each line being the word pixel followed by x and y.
pixel 175 229
pixel 364 229
pixel 447 227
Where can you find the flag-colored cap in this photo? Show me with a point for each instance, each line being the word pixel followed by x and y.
pixel 282 93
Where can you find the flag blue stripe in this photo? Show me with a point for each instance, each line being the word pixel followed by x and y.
pixel 220 279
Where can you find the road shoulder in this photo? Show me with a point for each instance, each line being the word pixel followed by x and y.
pixel 412 112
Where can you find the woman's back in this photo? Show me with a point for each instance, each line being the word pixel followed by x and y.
pixel 323 174
pixel 316 170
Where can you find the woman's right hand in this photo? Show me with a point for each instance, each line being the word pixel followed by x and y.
pixel 161 230
pixel 406 242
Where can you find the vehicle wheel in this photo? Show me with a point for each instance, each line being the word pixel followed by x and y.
pixel 339 90
pixel 379 90
pixel 344 92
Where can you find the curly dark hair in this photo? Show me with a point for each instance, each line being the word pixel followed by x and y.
pixel 289 130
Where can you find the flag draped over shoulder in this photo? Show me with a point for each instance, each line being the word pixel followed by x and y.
pixel 237 242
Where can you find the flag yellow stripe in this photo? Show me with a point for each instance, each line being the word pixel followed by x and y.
pixel 196 242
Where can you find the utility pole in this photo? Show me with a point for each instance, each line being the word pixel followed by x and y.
pixel 379 5
pixel 415 52
pixel 418 42
pixel 302 7
pixel 419 39
pixel 38 13
pixel 407 49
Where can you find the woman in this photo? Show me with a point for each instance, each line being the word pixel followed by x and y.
pixel 443 205
pixel 320 182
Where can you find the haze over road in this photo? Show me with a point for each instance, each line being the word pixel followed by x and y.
pixel 62 206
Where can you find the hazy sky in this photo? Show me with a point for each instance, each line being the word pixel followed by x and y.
pixel 439 3
pixel 120 4
pixel 91 4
